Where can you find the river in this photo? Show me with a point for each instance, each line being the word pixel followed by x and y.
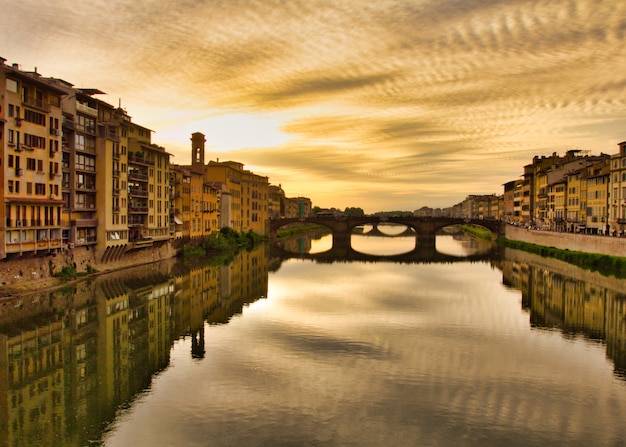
pixel 473 349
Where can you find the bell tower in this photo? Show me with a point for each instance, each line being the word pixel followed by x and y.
pixel 197 151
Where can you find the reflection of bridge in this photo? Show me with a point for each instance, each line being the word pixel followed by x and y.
pixel 425 228
pixel 420 254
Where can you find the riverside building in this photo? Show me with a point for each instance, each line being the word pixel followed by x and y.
pixel 30 156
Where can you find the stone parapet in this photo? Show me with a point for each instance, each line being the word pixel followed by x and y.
pixel 606 245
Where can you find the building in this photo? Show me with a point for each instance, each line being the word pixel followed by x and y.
pixel 617 215
pixel 597 178
pixel 249 195
pixel 298 207
pixel 30 141
pixel 276 202
pixel 511 201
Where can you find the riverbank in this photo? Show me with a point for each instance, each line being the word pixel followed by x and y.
pixel 585 243
pixel 606 255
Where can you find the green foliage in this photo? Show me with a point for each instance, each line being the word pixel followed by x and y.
pixel 605 264
pixel 477 232
pixel 354 212
pixel 67 273
pixel 226 240
pixel 300 229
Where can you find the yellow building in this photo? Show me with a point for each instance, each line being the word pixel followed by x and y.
pixel 181 200
pixel 249 195
pixel 196 200
pixel 148 189
pixel 30 141
pixel 618 191
pixel 219 194
pixel 597 197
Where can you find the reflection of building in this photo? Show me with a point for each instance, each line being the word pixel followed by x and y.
pixel 576 306
pixel 69 359
pixel 33 383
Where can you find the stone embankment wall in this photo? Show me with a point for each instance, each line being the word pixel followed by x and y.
pixel 35 269
pixel 606 245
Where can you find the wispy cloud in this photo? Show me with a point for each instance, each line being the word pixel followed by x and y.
pixel 383 104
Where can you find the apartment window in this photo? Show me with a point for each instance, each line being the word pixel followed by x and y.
pixel 79 142
pixel 85 124
pixel 34 117
pixel 40 165
pixel 34 141
pixel 31 164
pixel 29 187
pixel 85 162
pixel 80 200
pixel 11 186
pixel 11 136
pixel 40 189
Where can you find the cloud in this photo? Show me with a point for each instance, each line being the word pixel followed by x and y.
pixel 416 95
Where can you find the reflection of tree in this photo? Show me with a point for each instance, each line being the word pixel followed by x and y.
pixel 575 301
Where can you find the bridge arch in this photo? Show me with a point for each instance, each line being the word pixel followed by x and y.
pixel 425 228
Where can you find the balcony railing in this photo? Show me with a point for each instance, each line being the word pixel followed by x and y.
pixel 134 175
pixel 132 158
pixel 138 192
pixel 138 209
pixel 35 102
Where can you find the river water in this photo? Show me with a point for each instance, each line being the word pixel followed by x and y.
pixel 275 349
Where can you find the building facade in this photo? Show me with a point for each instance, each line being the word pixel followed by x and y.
pixel 30 142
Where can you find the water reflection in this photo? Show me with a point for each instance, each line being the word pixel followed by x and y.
pixel 574 301
pixel 70 359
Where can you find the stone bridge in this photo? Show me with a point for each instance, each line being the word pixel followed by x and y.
pixel 425 228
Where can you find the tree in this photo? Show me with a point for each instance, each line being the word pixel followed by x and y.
pixel 354 212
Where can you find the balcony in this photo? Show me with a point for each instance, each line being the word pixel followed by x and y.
pixel 133 158
pixel 138 209
pixel 134 175
pixel 113 137
pixel 68 123
pixel 138 192
pixel 37 103
pixel 84 108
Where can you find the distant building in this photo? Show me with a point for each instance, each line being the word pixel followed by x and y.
pixel 618 191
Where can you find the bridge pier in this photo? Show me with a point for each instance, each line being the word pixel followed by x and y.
pixel 341 243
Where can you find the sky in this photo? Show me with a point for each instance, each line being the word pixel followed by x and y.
pixel 378 104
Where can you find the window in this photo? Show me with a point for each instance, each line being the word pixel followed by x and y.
pixel 79 142
pixel 30 164
pixel 40 189
pixel 34 117
pixel 85 124
pixel 85 162
pixel 34 141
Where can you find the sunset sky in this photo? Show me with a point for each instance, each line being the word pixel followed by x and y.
pixel 379 104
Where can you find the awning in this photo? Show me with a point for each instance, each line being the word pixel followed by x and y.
pixel 178 221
